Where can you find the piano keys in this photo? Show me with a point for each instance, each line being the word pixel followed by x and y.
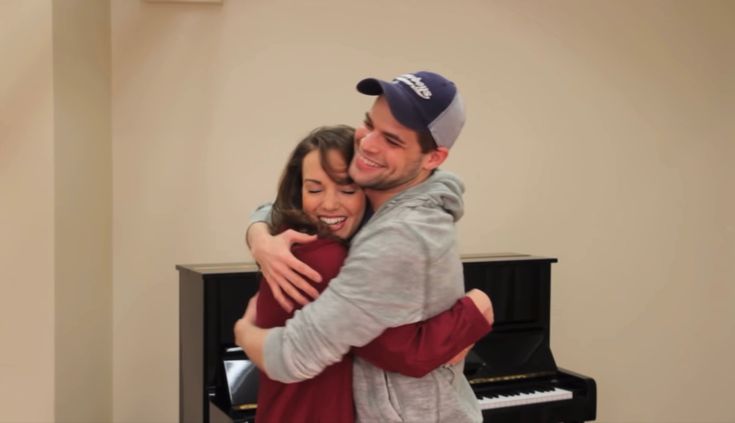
pixel 516 397
pixel 562 397
pixel 512 370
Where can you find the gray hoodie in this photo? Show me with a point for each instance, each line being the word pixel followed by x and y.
pixel 403 267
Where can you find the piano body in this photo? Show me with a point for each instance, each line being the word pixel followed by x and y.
pixel 512 370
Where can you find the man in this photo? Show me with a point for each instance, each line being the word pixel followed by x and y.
pixel 403 265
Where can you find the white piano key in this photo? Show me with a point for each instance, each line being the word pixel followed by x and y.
pixel 502 401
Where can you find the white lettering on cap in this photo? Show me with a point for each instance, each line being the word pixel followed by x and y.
pixel 415 83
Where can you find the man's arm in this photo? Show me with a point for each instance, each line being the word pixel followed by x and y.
pixel 418 348
pixel 374 290
pixel 285 273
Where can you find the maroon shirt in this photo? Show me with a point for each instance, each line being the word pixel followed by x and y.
pixel 414 349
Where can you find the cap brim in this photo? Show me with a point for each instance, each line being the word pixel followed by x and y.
pixel 370 86
pixel 400 103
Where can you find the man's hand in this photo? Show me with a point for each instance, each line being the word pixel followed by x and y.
pixel 283 272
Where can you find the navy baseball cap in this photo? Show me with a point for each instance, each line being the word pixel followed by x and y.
pixel 422 101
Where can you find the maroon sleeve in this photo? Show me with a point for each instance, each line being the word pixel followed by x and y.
pixel 418 348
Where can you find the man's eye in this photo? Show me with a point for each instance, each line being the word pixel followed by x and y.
pixel 368 125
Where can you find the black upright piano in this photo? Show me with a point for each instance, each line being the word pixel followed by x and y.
pixel 512 370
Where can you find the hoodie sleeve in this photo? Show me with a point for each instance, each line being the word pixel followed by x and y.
pixel 261 214
pixel 381 285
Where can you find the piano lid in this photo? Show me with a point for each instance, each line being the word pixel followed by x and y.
pixel 219 268
pixel 246 267
pixel 502 257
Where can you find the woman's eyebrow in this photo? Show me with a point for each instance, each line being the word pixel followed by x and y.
pixel 315 181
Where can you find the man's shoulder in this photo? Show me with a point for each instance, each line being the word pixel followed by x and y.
pixel 414 217
pixel 405 237
pixel 382 229
pixel 416 208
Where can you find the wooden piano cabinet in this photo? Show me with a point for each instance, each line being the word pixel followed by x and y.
pixel 211 299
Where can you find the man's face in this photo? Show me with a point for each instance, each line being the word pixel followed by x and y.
pixel 387 154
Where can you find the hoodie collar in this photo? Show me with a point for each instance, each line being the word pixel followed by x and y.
pixel 443 189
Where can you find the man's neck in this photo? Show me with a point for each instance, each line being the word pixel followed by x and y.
pixel 379 197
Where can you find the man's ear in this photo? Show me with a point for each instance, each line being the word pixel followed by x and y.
pixel 435 158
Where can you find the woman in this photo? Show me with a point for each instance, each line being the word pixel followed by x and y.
pixel 316 195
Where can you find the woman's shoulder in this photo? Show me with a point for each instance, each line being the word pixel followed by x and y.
pixel 320 244
pixel 324 255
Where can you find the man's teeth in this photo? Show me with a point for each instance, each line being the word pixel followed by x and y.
pixel 369 162
pixel 332 220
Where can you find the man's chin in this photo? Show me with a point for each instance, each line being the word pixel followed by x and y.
pixel 373 180
pixel 377 185
pixel 361 177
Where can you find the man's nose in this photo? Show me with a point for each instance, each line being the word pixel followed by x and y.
pixel 369 141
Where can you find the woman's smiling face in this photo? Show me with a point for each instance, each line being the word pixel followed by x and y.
pixel 340 207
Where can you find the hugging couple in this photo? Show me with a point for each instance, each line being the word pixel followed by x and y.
pixel 361 313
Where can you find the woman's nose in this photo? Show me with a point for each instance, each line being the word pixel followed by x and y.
pixel 331 202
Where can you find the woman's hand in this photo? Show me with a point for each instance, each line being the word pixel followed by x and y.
pixel 285 274
pixel 483 303
pixel 250 337
pixel 485 306
pixel 460 356
pixel 251 313
pixel 246 321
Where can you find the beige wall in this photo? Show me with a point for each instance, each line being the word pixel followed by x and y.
pixel 55 212
pixel 83 211
pixel 26 213
pixel 598 132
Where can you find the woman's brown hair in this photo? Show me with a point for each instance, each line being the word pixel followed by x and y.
pixel 287 210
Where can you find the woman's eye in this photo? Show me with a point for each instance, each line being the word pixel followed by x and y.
pixel 313 191
pixel 348 191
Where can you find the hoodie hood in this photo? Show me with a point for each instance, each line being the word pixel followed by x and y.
pixel 443 189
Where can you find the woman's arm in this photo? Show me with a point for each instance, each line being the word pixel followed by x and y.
pixel 417 349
